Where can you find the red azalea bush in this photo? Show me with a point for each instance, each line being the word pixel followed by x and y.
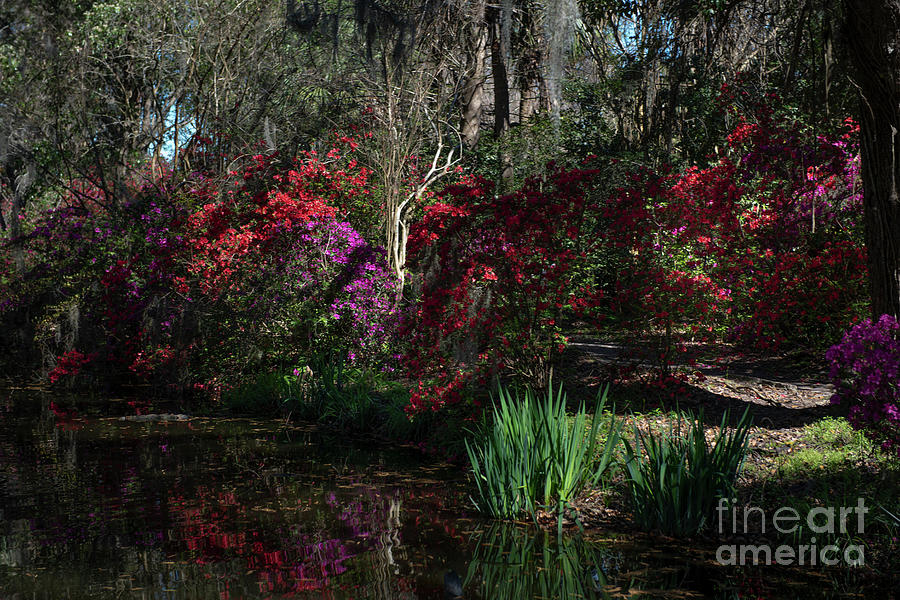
pixel 764 247
pixel 69 365
pixel 286 279
pixel 673 229
pixel 865 371
pixel 495 278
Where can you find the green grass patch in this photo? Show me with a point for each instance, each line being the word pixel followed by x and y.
pixel 835 433
pixel 327 391
pixel 829 465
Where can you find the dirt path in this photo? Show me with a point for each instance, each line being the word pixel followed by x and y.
pixel 782 392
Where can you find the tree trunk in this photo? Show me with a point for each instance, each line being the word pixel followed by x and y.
pixel 501 105
pixel 501 84
pixel 873 37
pixel 790 73
pixel 473 93
pixel 21 185
pixel 530 65
pixel 529 86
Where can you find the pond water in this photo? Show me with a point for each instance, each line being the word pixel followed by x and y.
pixel 95 507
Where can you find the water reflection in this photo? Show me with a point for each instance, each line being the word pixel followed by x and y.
pixel 517 562
pixel 211 508
pixel 94 507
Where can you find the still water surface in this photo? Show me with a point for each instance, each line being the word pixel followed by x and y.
pixel 95 507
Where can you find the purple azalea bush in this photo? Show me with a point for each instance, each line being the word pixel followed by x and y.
pixel 341 286
pixel 865 371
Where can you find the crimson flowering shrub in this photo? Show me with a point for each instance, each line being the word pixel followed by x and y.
pixel 764 246
pixel 76 269
pixel 68 364
pixel 206 281
pixel 495 278
pixel 271 252
pixel 673 228
pixel 865 371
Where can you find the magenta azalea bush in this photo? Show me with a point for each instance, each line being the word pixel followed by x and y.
pixel 865 371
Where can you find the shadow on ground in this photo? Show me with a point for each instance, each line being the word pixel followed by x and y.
pixel 781 391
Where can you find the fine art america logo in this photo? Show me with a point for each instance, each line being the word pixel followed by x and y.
pixel 826 521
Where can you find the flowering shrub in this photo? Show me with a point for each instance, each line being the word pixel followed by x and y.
pixel 865 371
pixel 197 283
pixel 285 279
pixel 69 364
pixel 764 246
pixel 496 276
